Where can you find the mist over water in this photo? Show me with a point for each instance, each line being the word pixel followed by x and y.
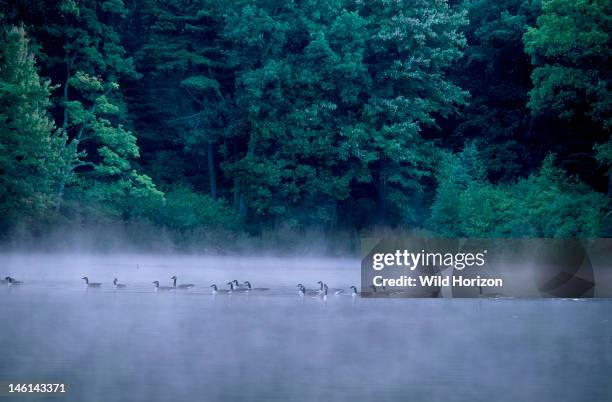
pixel 137 344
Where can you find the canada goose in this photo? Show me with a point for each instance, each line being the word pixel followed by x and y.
pixel 11 281
pixel 382 292
pixel 324 295
pixel 249 287
pixel 182 286
pixel 238 286
pixel 157 287
pixel 216 290
pixel 321 294
pixel 335 291
pixel 303 291
pixel 118 285
pixel 366 293
pixel 356 293
pixel 91 284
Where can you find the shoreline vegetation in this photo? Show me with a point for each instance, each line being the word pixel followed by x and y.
pixel 256 125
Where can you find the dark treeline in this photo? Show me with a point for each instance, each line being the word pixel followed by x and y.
pixel 208 119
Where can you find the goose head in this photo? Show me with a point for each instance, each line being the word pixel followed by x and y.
pixel 247 284
pixel 214 287
pixel 115 281
pixel 235 282
pixel 354 290
pixel 86 279
pixel 231 285
pixel 156 283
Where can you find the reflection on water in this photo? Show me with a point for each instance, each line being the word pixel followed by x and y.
pixel 137 344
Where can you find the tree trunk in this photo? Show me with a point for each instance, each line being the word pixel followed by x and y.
pixel 242 213
pixel 60 189
pixel 243 208
pixel 236 197
pixel 65 122
pixel 212 175
pixel 382 190
pixel 60 195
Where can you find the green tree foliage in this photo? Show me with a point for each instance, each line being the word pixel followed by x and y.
pixel 338 94
pixel 32 152
pixel 571 50
pixel 81 41
pixel 286 89
pixel 184 70
pixel 546 204
pixel 188 211
pixel 496 71
pixel 260 115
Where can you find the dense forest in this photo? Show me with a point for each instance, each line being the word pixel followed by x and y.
pixel 210 120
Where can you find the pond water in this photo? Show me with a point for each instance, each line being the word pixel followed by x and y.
pixel 137 344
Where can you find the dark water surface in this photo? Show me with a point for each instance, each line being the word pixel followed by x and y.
pixel 136 344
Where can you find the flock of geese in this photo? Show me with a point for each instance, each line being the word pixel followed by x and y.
pixel 245 287
pixel 322 290
pixel 233 287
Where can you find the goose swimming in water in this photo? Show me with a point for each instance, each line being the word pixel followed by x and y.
pixel 91 284
pixel 157 287
pixel 11 281
pixel 182 286
pixel 335 291
pixel 321 294
pixel 379 293
pixel 324 295
pixel 118 285
pixel 355 292
pixel 249 287
pixel 303 291
pixel 216 290
pixel 238 286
